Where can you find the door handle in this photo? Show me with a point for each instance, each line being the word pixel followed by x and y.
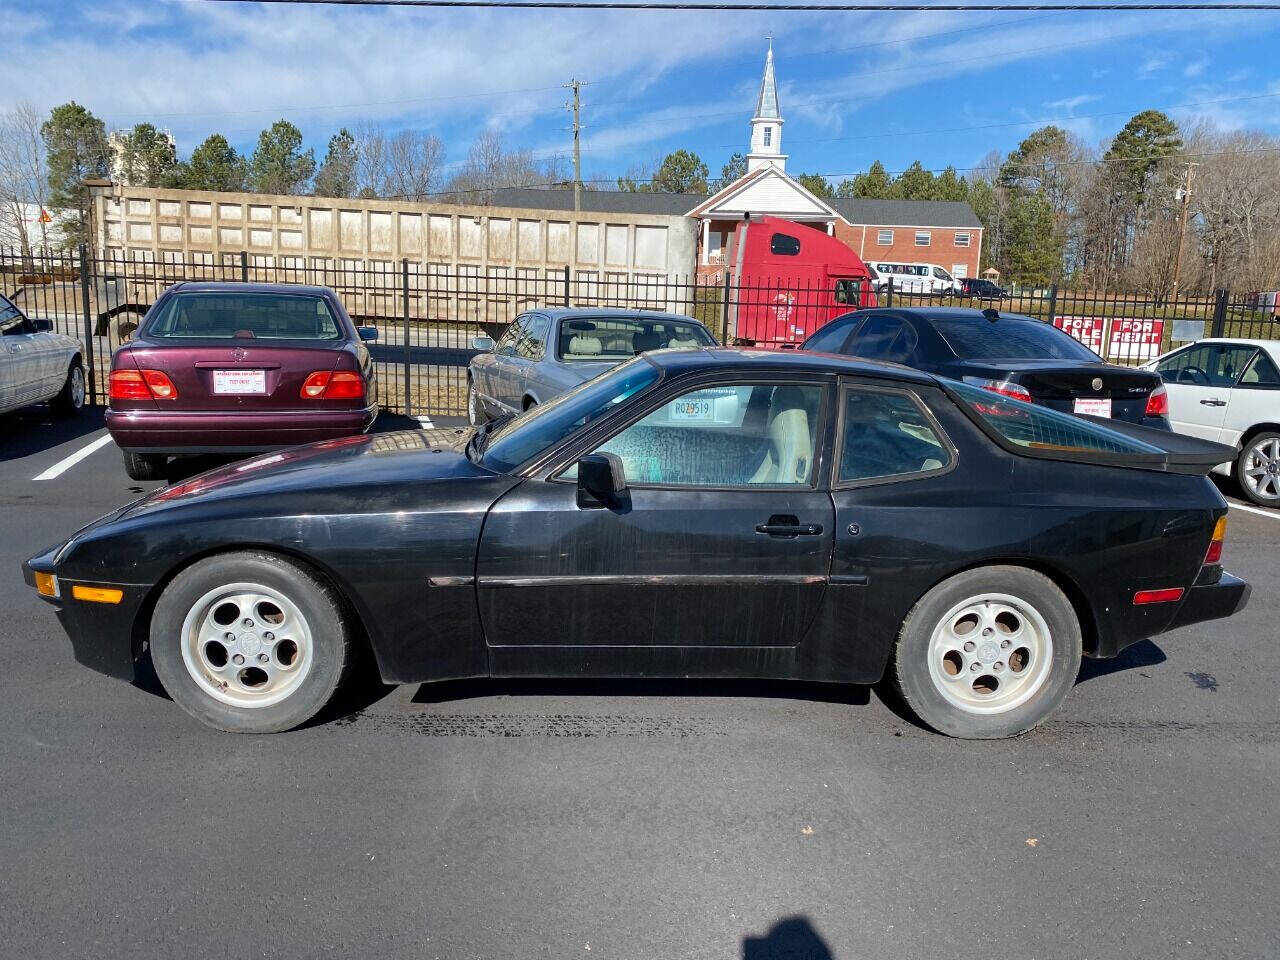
pixel 1214 403
pixel 790 529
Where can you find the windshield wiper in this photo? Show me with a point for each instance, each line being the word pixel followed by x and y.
pixel 480 439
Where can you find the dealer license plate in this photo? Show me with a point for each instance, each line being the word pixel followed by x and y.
pixel 1093 406
pixel 239 381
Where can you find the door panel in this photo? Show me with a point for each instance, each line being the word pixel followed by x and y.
pixel 675 568
pixel 1199 380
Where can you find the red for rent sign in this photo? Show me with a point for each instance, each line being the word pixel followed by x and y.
pixel 1127 338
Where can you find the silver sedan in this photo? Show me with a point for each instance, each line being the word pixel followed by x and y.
pixel 37 364
pixel 546 352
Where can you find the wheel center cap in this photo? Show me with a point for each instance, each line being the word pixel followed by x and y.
pixel 988 652
pixel 249 644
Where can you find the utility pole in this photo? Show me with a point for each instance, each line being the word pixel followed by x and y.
pixel 576 87
pixel 1182 227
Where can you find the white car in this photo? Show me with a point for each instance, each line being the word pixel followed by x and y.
pixel 927 278
pixel 1228 390
pixel 37 364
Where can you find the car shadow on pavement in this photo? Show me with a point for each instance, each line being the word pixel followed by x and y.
pixel 791 939
pixel 1144 653
pixel 449 691
pixel 36 429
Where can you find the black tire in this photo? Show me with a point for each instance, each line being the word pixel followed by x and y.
pixel 144 466
pixel 923 694
pixel 331 638
pixel 1258 491
pixel 70 400
pixel 475 409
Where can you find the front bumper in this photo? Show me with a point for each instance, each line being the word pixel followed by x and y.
pixel 1212 602
pixel 213 431
pixel 102 634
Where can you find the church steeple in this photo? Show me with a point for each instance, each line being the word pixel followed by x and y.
pixel 766 124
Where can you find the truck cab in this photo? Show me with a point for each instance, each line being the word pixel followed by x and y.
pixel 790 279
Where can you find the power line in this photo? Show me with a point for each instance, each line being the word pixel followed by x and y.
pixel 773 6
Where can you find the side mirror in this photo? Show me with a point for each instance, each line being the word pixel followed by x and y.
pixel 42 325
pixel 483 344
pixel 601 480
pixel 368 333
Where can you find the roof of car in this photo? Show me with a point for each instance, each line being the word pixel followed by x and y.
pixel 779 360
pixel 953 313
pixel 229 286
pixel 563 313
pixel 1269 345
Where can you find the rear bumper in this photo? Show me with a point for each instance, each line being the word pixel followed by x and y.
pixel 163 431
pixel 1212 602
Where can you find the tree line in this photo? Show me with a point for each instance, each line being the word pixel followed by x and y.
pixel 1153 202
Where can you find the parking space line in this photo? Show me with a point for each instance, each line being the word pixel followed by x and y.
pixel 425 423
pixel 1274 515
pixel 68 462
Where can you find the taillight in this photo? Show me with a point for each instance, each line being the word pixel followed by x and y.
pixel 141 385
pixel 1003 387
pixel 1158 402
pixel 1214 553
pixel 333 385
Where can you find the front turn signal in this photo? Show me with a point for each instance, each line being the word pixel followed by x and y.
pixel 97 594
pixel 47 585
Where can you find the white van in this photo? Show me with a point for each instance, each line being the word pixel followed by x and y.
pixel 915 278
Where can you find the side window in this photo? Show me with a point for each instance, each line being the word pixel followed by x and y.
pixel 531 340
pixel 784 245
pixel 1261 372
pixel 12 322
pixel 506 342
pixel 887 434
pixel 884 338
pixel 1208 365
pixel 726 436
pixel 848 291
pixel 831 337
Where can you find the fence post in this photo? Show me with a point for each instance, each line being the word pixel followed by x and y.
pixel 408 396
pixel 566 285
pixel 244 267
pixel 888 293
pixel 89 352
pixel 1220 313
pixel 1053 303
pixel 724 310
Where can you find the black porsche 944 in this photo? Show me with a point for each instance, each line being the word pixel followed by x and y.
pixel 709 513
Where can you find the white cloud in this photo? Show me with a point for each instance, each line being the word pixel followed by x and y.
pixel 1195 68
pixel 1071 104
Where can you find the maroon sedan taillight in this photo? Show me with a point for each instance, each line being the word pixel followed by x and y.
pixel 141 385
pixel 333 385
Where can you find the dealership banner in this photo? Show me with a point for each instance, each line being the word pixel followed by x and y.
pixel 1126 338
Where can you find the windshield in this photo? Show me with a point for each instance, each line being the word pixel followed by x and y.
pixel 511 443
pixel 617 338
pixel 1010 339
pixel 235 315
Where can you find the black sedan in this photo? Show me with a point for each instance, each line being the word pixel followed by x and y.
pixel 981 288
pixel 1010 354
pixel 713 513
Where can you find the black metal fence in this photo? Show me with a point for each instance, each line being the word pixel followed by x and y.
pixel 429 314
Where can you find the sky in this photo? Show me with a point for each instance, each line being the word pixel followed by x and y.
pixel 942 88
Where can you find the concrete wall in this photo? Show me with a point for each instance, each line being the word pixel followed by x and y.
pixel 514 256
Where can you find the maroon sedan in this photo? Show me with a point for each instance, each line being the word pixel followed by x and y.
pixel 239 368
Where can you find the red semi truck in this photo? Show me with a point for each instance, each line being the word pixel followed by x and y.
pixel 788 280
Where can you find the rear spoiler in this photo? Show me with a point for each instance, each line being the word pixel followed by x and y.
pixel 1182 453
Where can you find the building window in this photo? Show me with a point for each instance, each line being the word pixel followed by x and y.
pixel 768 136
pixel 922 238
pixel 959 270
pixel 962 239
pixel 884 238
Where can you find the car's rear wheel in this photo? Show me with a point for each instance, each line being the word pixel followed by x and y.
pixel 1258 469
pixel 988 653
pixel 475 412
pixel 144 466
pixel 70 400
pixel 250 642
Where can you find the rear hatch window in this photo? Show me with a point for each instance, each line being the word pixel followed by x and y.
pixel 232 315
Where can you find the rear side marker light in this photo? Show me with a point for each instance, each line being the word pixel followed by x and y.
pixel 1015 391
pixel 97 594
pixel 332 385
pixel 1158 402
pixel 141 385
pixel 1214 553
pixel 47 585
pixel 1143 597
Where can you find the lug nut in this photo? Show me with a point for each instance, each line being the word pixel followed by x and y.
pixel 238 658
pixel 975 667
pixel 968 647
pixel 1004 644
pixel 999 665
pixel 263 658
pixel 268 636
pixel 987 631
pixel 247 622
pixel 229 635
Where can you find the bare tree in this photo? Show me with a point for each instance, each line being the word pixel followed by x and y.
pixel 24 178
pixel 489 166
pixel 412 164
pixel 372 178
pixel 1236 201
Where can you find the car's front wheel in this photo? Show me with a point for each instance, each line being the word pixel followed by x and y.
pixel 1258 469
pixel 990 652
pixel 250 642
pixel 475 411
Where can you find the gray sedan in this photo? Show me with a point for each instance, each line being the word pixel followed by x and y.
pixel 546 352
pixel 37 364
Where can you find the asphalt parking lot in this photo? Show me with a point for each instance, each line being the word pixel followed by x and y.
pixel 674 819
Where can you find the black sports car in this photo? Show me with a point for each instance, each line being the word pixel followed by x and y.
pixel 705 513
pixel 1011 354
